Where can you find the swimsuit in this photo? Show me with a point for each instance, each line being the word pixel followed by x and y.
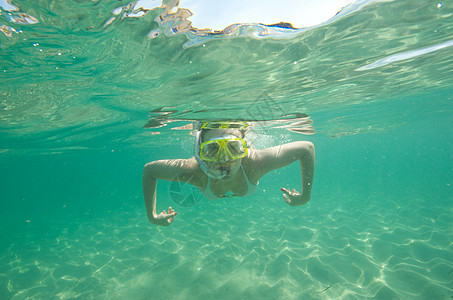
pixel 211 196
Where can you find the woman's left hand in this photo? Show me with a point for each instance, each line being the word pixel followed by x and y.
pixel 293 198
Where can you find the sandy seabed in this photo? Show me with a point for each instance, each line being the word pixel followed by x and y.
pixel 350 248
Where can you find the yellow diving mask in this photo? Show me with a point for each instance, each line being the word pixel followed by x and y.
pixel 223 149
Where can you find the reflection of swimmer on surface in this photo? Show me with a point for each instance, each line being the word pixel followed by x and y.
pixel 224 165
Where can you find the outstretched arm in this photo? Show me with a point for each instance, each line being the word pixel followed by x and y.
pixel 171 170
pixel 279 156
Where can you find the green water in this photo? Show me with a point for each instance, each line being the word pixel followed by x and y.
pixel 75 97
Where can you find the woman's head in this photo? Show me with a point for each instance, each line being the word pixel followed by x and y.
pixel 222 151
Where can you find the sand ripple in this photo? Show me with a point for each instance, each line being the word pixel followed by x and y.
pixel 349 249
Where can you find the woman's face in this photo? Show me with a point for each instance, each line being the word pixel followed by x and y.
pixel 231 166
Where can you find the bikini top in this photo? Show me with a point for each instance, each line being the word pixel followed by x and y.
pixel 211 196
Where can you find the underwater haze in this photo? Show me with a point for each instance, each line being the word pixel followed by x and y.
pixel 93 90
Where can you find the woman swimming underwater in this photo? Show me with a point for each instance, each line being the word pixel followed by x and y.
pixel 224 165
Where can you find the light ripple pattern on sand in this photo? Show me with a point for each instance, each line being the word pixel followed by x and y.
pixel 351 249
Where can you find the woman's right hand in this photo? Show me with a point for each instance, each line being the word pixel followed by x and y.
pixel 164 219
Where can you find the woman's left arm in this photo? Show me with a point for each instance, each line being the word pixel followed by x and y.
pixel 279 156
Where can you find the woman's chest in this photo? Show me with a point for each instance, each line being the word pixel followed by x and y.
pixel 238 188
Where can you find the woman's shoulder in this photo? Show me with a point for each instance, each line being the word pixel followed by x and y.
pixel 251 166
pixel 191 172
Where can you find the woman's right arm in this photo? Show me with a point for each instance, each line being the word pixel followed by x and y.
pixel 170 170
pixel 149 193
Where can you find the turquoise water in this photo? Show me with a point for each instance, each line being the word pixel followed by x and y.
pixel 75 97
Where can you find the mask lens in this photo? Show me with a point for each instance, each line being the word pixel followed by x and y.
pixel 235 148
pixel 210 150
